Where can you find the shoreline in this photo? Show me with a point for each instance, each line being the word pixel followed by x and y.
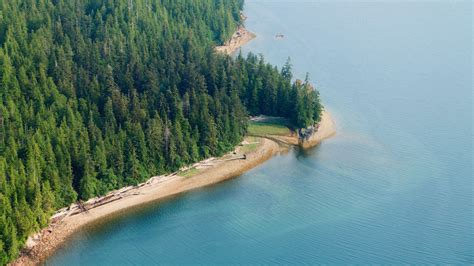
pixel 241 37
pixel 214 170
pixel 327 129
pixel 210 171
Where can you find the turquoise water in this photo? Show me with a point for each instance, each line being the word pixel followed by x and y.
pixel 395 184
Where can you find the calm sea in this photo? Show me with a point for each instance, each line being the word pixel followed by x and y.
pixel 395 184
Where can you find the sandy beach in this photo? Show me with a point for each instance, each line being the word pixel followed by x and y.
pixel 211 171
pixel 239 39
pixel 327 129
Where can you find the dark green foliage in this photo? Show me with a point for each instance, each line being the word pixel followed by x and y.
pixel 96 95
pixel 264 90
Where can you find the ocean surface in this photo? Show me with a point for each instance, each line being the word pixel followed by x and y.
pixel 394 186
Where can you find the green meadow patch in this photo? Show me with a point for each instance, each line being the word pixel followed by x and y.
pixel 268 128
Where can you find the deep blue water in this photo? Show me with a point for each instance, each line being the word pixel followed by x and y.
pixel 394 185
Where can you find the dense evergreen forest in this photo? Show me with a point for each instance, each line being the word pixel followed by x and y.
pixel 99 94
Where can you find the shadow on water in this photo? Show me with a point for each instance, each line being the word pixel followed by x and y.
pixel 305 153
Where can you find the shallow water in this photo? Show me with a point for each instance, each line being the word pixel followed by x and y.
pixel 394 185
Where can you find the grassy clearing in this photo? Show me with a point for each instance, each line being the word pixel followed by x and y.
pixel 249 148
pixel 189 172
pixel 252 146
pixel 268 128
